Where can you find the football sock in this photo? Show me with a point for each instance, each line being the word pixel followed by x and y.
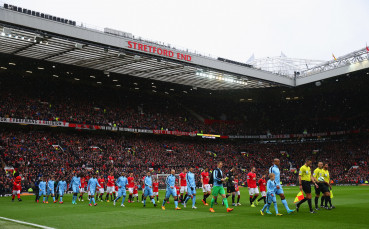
pixel 284 202
pixel 301 202
pixel 262 198
pixel 193 200
pixel 233 197
pixel 265 207
pixel 212 202
pixel 250 199
pixel 327 199
pixel 124 198
pixel 316 201
pixel 275 207
pixel 322 200
pixel 238 198
pixel 310 205
pixel 225 202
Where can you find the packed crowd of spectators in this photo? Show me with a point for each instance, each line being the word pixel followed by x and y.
pixel 42 153
pixel 314 110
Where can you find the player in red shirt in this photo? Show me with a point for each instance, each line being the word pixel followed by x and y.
pixel 177 188
pixel 82 189
pixel 131 185
pixel 135 193
pixel 183 183
pixel 262 185
pixel 205 185
pixel 155 189
pixel 110 187
pixel 253 188
pixel 237 189
pixel 143 188
pixel 101 182
pixel 17 188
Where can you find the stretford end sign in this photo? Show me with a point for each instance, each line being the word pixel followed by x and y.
pixel 158 51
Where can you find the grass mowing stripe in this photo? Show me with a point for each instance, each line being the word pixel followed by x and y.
pixel 26 223
pixel 351 211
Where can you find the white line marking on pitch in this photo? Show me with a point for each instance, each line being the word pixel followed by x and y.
pixel 25 223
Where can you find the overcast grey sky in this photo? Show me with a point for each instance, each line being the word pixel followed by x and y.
pixel 309 29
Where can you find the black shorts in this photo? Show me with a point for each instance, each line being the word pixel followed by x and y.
pixel 306 186
pixel 323 187
pixel 230 189
pixel 317 190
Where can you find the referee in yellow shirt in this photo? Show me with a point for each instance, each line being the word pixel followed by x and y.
pixel 318 172
pixel 325 188
pixel 305 179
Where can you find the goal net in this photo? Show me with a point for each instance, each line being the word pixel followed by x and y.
pixel 161 179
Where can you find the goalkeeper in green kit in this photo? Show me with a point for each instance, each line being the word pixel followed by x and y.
pixel 217 180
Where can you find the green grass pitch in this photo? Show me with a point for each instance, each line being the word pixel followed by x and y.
pixel 352 211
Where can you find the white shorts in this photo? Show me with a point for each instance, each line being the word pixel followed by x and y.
pixel 82 190
pixel 101 190
pixel 238 193
pixel 135 195
pixel 156 193
pixel 130 190
pixel 253 191
pixel 263 193
pixel 183 189
pixel 16 192
pixel 206 188
pixel 110 189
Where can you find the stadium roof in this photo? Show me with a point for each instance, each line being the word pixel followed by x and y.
pixel 44 37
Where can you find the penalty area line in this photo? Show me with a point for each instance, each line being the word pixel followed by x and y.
pixel 26 223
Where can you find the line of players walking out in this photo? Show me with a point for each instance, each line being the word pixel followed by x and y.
pixel 184 190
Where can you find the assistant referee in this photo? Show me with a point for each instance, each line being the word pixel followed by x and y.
pixel 305 179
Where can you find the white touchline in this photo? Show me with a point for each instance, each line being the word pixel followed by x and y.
pixel 25 223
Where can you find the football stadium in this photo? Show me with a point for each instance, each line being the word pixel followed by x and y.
pixel 102 128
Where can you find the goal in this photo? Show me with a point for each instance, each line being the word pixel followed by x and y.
pixel 161 179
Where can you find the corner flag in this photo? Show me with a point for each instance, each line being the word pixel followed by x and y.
pixel 299 197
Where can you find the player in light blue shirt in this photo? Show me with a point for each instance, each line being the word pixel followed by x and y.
pixel 75 184
pixel 148 189
pixel 42 188
pixel 279 190
pixel 121 183
pixel 171 190
pixel 61 188
pixel 91 186
pixel 191 188
pixel 271 188
pixel 50 189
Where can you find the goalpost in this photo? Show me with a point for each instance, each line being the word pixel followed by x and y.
pixel 161 179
